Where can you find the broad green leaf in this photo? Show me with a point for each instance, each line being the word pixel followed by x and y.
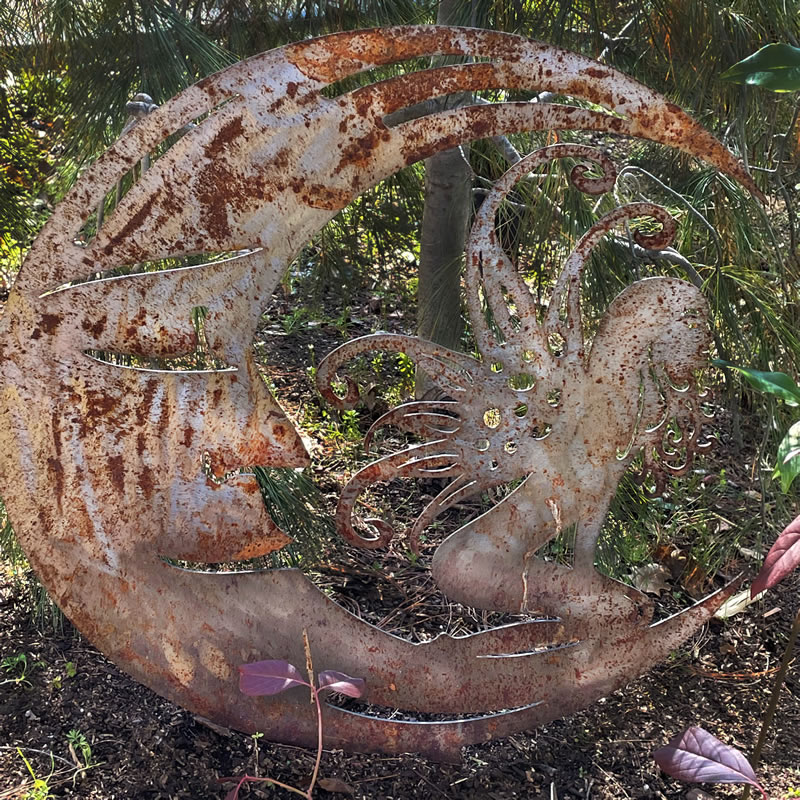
pixel 775 67
pixel 788 466
pixel 777 383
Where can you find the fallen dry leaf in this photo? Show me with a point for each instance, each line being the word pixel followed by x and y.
pixel 651 578
pixel 335 785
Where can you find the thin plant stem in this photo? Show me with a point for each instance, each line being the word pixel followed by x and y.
pixel 303 793
pixel 251 779
pixel 319 744
pixel 773 700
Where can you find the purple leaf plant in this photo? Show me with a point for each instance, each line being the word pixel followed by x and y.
pixel 268 678
pixel 698 757
pixel 782 559
pixel 275 676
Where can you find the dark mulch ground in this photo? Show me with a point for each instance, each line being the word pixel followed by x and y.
pixel 145 747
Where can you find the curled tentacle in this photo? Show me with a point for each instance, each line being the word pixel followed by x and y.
pixel 594 186
pixel 487 263
pixel 441 361
pixel 419 461
pixel 423 418
pixel 569 281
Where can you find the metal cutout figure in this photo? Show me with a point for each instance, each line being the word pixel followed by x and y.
pixel 102 465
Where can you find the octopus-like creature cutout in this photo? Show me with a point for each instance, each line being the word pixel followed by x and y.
pixel 542 405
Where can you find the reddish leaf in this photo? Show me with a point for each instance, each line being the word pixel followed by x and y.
pixel 782 558
pixel 268 677
pixel 339 682
pixel 698 757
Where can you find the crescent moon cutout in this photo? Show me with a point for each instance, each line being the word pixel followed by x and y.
pixel 103 465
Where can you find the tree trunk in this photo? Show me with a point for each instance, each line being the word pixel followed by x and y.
pixel 448 202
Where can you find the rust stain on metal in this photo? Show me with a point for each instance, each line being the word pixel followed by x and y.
pixel 103 466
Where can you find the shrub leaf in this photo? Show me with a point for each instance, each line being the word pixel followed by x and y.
pixel 775 67
pixel 782 558
pixel 339 682
pixel 777 383
pixel 788 466
pixel 698 757
pixel 268 677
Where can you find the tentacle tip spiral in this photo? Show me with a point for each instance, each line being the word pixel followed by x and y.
pixel 590 185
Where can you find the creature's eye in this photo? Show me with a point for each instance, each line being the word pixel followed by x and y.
pixel 491 419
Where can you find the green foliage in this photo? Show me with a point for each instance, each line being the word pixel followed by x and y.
pixel 405 367
pixel 28 132
pixel 775 67
pixel 788 464
pixel 40 788
pixel 775 383
pixel 297 507
pixel 782 386
pixel 17 667
pixel 80 747
pixel 45 612
pixel 106 52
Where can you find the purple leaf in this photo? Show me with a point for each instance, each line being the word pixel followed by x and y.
pixel 268 677
pixel 698 757
pixel 782 558
pixel 339 682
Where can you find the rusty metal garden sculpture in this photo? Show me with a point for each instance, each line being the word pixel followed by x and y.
pixel 102 466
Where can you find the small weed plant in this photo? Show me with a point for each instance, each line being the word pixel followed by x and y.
pixel 17 668
pixel 272 677
pixel 80 749
pixel 40 788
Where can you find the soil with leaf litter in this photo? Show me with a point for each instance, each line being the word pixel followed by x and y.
pixel 89 731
